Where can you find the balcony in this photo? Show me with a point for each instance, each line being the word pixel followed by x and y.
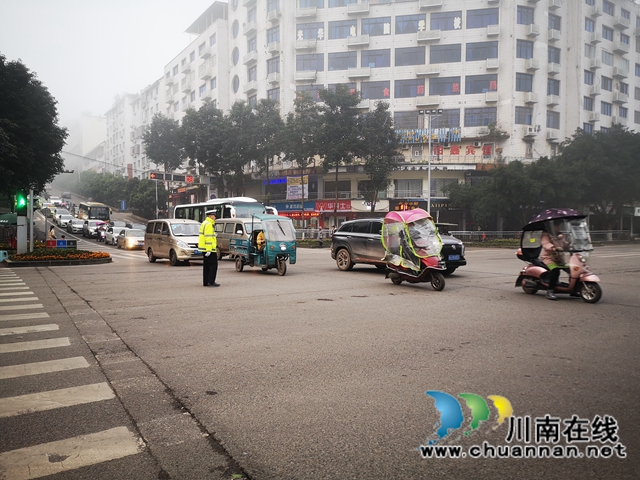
pixel 553 35
pixel 250 28
pixel 530 98
pixel 619 97
pixel 428 36
pixel 493 30
pixel 306 13
pixel 618 119
pixel 306 76
pixel 595 11
pixel 491 97
pixel 533 1
pixel 251 87
pixel 205 52
pixel 273 47
pixel 529 132
pixel 305 45
pixel 620 72
pixel 273 16
pixel 620 48
pixel 553 135
pixel 595 63
pixel 531 64
pixel 187 87
pixel 533 30
pixel 358 8
pixel 429 101
pixel 555 4
pixel 204 73
pixel 553 69
pixel 169 81
pixel 206 96
pixel 594 90
pixel 355 73
pixel 273 78
pixel 483 131
pixel 621 22
pixel 427 70
pixel 248 3
pixel 595 37
pixel 594 117
pixel 494 2
pixel 358 41
pixel 250 58
pixel 427 4
pixel 553 100
pixel 186 68
pixel 493 63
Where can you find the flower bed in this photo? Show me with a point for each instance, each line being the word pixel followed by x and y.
pixel 57 256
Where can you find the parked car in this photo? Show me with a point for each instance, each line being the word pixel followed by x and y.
pixel 129 239
pixel 90 228
pixel 358 241
pixel 63 220
pixel 75 225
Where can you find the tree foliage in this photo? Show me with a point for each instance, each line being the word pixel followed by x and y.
pixel 30 138
pixel 162 142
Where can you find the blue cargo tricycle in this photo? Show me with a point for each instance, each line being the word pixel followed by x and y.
pixel 271 244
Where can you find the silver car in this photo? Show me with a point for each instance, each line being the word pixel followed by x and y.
pixel 172 238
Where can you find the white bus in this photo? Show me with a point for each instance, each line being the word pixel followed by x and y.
pixel 232 207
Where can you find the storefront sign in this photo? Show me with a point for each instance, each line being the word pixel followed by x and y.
pixel 329 206
pixel 294 187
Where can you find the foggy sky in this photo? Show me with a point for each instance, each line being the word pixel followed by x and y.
pixel 88 51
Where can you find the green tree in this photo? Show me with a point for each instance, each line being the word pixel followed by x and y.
pixel 380 145
pixel 30 138
pixel 162 142
pixel 239 146
pixel 339 132
pixel 266 130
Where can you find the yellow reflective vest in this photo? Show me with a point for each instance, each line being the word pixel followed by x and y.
pixel 207 241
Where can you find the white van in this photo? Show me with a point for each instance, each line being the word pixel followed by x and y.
pixel 172 238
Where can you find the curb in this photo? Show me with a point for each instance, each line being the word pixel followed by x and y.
pixel 57 263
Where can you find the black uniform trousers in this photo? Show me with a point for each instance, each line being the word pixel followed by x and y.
pixel 209 269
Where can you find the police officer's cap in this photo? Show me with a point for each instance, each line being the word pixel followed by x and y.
pixel 210 212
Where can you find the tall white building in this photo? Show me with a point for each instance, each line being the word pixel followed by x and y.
pixel 117 153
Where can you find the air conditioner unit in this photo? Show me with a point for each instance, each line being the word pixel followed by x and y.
pixel 477 144
pixel 446 145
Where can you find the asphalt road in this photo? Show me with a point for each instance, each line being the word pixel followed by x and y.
pixel 322 374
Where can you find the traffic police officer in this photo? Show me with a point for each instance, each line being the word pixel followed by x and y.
pixel 207 243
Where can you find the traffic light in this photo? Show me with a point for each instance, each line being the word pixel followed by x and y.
pixel 21 203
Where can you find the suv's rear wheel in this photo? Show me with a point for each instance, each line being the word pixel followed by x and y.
pixel 152 259
pixel 173 258
pixel 343 260
pixel 449 270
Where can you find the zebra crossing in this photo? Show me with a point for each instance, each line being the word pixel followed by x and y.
pixel 21 317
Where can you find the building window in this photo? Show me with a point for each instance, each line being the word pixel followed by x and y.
pixel 524 115
pixel 553 119
pixel 587 104
pixel 636 116
pixel 446 20
pixel 213 83
pixel 376 58
pixel 376 90
pixel 590 2
pixel 273 35
pixel 202 89
pixel 410 24
pixel 212 40
pixel 192 57
pixel 310 31
pixel 607 33
pixel 625 14
pixel 524 49
pixel 623 112
pixel 524 82
pixel 313 91
pixel 606 83
pixel 273 5
pixel 235 84
pixel 636 94
pixel 589 51
pixel 553 87
pixel 481 51
pixel 252 44
pixel 192 97
pixel 351 86
pixel 482 18
pixel 252 101
pixel 449 118
pixel 235 55
pixel 637 69
pixel 624 88
pixel 342 60
pixel 312 61
pixel 201 47
pixel 342 29
pixel 525 15
pixel 589 25
pixel 553 55
pixel 252 15
pixel 252 74
pixel 588 128
pixel 608 7
pixel 607 58
pixel 410 56
pixel 555 22
pixel 604 129
pixel 273 65
pixel 480 83
pixel 175 70
pixel 376 27
pixel 445 53
pixel 340 3
pixel 235 28
pixel 311 3
pixel 409 88
pixel 444 86
pixel 274 94
pixel 605 108
pixel 480 117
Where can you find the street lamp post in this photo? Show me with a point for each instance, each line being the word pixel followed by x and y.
pixel 430 113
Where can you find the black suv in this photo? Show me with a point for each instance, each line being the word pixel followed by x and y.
pixel 358 241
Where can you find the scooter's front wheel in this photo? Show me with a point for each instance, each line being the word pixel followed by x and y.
pixel 590 292
pixel 282 266
pixel 239 264
pixel 437 281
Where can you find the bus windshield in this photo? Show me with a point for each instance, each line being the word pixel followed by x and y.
pixel 93 211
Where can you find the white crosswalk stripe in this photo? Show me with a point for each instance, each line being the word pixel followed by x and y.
pixel 63 455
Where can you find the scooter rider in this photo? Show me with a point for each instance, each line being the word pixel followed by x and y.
pixel 553 244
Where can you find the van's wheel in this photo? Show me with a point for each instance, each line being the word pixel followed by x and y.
pixel 590 292
pixel 282 266
pixel 437 281
pixel 150 256
pixel 239 264
pixel 343 260
pixel 218 254
pixel 173 258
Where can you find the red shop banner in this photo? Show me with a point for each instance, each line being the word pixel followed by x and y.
pixel 329 205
